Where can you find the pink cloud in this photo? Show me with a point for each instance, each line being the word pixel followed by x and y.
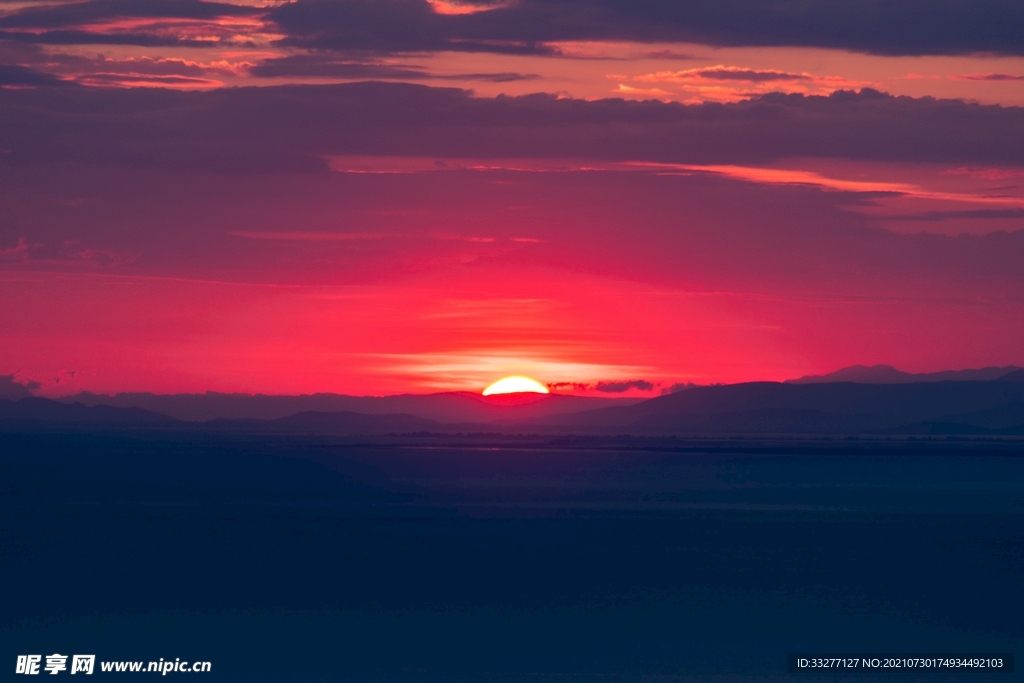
pixel 989 77
pixel 131 80
pixel 312 236
pixel 721 83
pixel 456 8
pixel 17 252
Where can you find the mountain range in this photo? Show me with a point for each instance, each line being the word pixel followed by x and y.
pixel 931 406
pixel 887 374
pixel 450 407
pixel 945 407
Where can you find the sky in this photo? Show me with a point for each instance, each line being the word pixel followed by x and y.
pixel 612 197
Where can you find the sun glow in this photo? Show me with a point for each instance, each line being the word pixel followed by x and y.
pixel 515 385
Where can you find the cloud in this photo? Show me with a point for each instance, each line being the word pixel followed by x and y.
pixel 98 12
pixel 12 390
pixel 987 173
pixel 312 236
pixel 725 73
pixel 331 66
pixel 475 370
pixel 619 387
pixel 390 26
pixel 19 252
pixel 204 70
pixel 498 77
pixel 610 387
pixel 66 253
pixel 575 386
pixel 141 80
pixel 723 83
pixel 298 128
pixel 990 77
pixel 978 214
pixel 186 23
pixel 774 176
pixel 677 387
pixel 911 27
pixel 14 75
pixel 445 7
pixel 321 65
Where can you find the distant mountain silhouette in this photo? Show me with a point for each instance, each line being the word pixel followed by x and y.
pixel 451 407
pixel 887 374
pixel 347 423
pixel 1015 376
pixel 41 410
pixel 836 408
pixel 995 406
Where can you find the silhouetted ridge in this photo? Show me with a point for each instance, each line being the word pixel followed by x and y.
pixel 887 374
pixel 840 407
pixel 1015 376
pixel 450 407
pixel 34 409
pixel 317 422
pixel 994 407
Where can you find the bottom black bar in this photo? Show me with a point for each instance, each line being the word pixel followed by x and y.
pixel 897 662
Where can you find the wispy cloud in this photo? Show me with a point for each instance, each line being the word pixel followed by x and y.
pixel 449 7
pixel 754 174
pixel 989 77
pixel 313 236
pixel 721 72
pixel 973 215
pixel 18 252
pixel 473 370
pixel 776 176
pixel 726 83
pixel 144 26
pixel 988 173
pixel 138 80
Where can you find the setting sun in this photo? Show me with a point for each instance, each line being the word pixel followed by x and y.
pixel 515 385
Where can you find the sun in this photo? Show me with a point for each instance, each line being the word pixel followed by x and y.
pixel 516 385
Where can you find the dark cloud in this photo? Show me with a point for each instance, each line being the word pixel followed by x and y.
pixel 976 214
pixel 992 77
pixel 669 54
pixel 619 387
pixel 12 74
pixel 80 13
pixel 576 386
pixel 152 79
pixel 329 66
pixel 726 74
pixel 88 38
pixel 500 77
pixel 12 390
pixel 677 387
pixel 115 22
pixel 905 27
pixel 401 26
pixel 296 127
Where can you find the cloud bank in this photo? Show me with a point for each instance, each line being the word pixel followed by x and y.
pixel 295 128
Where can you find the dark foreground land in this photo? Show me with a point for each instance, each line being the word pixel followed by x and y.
pixel 299 558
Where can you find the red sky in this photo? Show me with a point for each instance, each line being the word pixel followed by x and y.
pixel 166 228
